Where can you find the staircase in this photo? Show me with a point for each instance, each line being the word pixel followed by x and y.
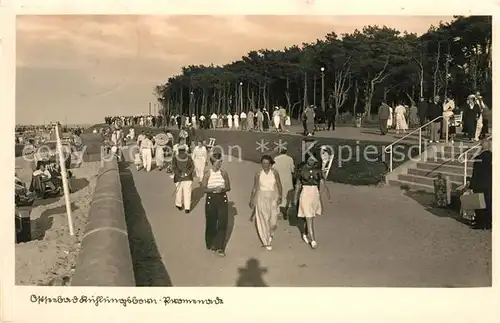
pixel 419 174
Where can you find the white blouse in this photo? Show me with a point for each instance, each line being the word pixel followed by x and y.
pixel 267 182
pixel 215 180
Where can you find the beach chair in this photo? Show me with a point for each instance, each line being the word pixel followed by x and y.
pixel 211 143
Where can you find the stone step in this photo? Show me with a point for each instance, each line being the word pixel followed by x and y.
pixel 444 161
pixel 423 172
pixel 458 149
pixel 412 186
pixel 455 156
pixel 438 168
pixel 429 181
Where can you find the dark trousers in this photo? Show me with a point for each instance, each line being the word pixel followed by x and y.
pixel 483 217
pixel 471 128
pixel 383 126
pixel 485 130
pixel 331 123
pixel 216 216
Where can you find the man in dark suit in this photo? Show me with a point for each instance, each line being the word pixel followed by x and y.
pixel 332 113
pixel 423 106
pixel 434 111
pixel 383 115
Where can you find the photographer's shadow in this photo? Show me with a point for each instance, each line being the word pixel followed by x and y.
pixel 251 274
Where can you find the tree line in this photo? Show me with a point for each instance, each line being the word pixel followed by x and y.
pixel 353 72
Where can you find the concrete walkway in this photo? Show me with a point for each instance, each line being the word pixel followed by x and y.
pixel 367 237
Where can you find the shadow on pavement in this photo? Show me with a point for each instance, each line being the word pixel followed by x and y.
pixel 44 222
pixel 427 201
pixel 149 269
pixel 78 184
pixel 196 196
pixel 232 212
pixel 251 275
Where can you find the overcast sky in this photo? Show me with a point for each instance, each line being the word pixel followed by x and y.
pixel 82 68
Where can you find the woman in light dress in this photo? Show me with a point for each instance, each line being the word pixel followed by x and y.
pixel 200 157
pixel 147 152
pixel 288 122
pixel 400 114
pixel 390 120
pixel 265 200
pixel 229 120
pixel 276 119
pixel 236 119
pixel 160 146
pixel 285 166
pixel 307 193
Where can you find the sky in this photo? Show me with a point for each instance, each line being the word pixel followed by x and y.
pixel 78 69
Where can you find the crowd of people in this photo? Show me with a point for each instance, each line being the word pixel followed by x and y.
pixel 474 118
pixel 142 120
pixel 278 120
pixel 36 134
pixel 279 186
pixel 254 120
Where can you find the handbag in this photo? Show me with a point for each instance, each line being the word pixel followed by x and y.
pixel 473 201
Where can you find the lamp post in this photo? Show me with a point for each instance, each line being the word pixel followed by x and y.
pixel 323 89
pixel 241 97
pixel 191 102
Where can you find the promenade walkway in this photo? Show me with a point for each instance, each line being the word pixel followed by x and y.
pixel 368 237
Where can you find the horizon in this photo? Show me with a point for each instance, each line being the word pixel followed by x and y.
pixel 81 68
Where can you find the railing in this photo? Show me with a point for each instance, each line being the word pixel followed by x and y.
pixel 462 158
pixel 389 149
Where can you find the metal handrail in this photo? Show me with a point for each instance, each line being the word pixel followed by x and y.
pixel 462 158
pixel 388 149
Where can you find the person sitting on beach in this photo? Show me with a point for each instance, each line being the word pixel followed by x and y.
pixel 41 179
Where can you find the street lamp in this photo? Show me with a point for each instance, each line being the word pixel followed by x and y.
pixel 191 102
pixel 323 89
pixel 241 97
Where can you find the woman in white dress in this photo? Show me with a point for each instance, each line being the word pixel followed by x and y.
pixel 400 114
pixel 160 146
pixel 390 119
pixel 229 120
pixel 288 123
pixel 236 119
pixel 276 119
pixel 146 152
pixel 200 155
pixel 265 200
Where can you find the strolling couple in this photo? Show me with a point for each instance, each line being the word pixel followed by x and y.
pixel 272 188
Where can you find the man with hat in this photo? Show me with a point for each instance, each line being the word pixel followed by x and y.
pixel 183 167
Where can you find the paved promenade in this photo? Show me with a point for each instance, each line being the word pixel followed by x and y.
pixel 368 236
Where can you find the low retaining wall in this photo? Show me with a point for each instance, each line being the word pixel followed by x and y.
pixel 105 258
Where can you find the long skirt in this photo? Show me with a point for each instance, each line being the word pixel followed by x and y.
pixel 236 123
pixel 160 156
pixel 199 167
pixel 276 121
pixel 309 126
pixel 479 127
pixel 266 215
pixel 401 122
pixel 250 123
pixel 309 202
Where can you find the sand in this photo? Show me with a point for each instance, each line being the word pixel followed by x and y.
pixel 50 258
